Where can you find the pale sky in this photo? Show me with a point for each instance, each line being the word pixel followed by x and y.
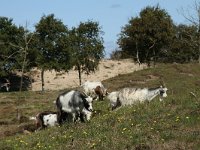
pixel 111 15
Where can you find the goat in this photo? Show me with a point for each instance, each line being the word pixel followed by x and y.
pixel 114 99
pixel 4 84
pixel 45 119
pixel 128 96
pixel 73 103
pixel 94 89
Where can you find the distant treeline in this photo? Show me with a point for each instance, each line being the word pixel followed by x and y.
pixel 152 36
pixel 51 46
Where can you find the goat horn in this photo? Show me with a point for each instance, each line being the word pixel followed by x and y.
pixel 162 83
pixel 84 93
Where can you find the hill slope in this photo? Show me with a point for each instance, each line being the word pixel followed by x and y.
pixel 61 80
pixel 171 124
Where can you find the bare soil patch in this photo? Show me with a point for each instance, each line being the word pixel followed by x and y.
pixel 62 80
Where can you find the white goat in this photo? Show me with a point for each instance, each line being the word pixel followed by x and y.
pixel 94 89
pixel 128 96
pixel 73 103
pixel 114 99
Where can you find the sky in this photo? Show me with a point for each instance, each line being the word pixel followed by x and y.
pixel 111 15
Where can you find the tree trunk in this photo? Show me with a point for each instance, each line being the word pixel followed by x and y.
pixel 199 54
pixel 42 77
pixel 199 40
pixel 137 55
pixel 198 10
pixel 154 58
pixel 23 66
pixel 79 74
pixel 21 80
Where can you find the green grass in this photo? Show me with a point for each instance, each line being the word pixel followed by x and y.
pixel 171 124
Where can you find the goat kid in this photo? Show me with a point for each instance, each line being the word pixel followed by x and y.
pixel 45 119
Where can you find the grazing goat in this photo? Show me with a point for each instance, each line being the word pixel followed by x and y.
pixel 114 99
pixel 45 119
pixel 94 89
pixel 73 103
pixel 128 96
pixel 4 84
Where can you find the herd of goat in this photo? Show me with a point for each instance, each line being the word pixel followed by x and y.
pixel 76 105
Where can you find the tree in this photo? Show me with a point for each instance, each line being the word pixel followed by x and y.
pixel 25 63
pixel 183 47
pixel 193 16
pixel 10 38
pixel 15 51
pixel 51 35
pixel 87 46
pixel 144 36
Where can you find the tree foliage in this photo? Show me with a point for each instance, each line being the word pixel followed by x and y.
pixel 146 34
pixel 11 39
pixel 87 46
pixel 193 16
pixel 184 46
pixel 51 46
pixel 51 38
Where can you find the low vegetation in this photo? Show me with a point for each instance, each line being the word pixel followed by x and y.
pixel 171 124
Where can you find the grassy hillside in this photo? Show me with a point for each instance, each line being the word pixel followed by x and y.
pixel 171 124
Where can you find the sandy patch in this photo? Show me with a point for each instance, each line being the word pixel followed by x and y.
pixel 61 80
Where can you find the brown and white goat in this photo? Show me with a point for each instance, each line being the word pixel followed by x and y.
pixel 45 119
pixel 94 89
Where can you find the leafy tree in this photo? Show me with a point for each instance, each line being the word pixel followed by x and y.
pixel 184 45
pixel 52 44
pixel 11 37
pixel 144 36
pixel 14 46
pixel 87 46
pixel 193 16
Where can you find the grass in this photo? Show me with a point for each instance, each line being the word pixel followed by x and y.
pixel 171 124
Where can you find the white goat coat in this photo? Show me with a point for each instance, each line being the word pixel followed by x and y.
pixel 50 120
pixel 113 96
pixel 89 87
pixel 129 96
